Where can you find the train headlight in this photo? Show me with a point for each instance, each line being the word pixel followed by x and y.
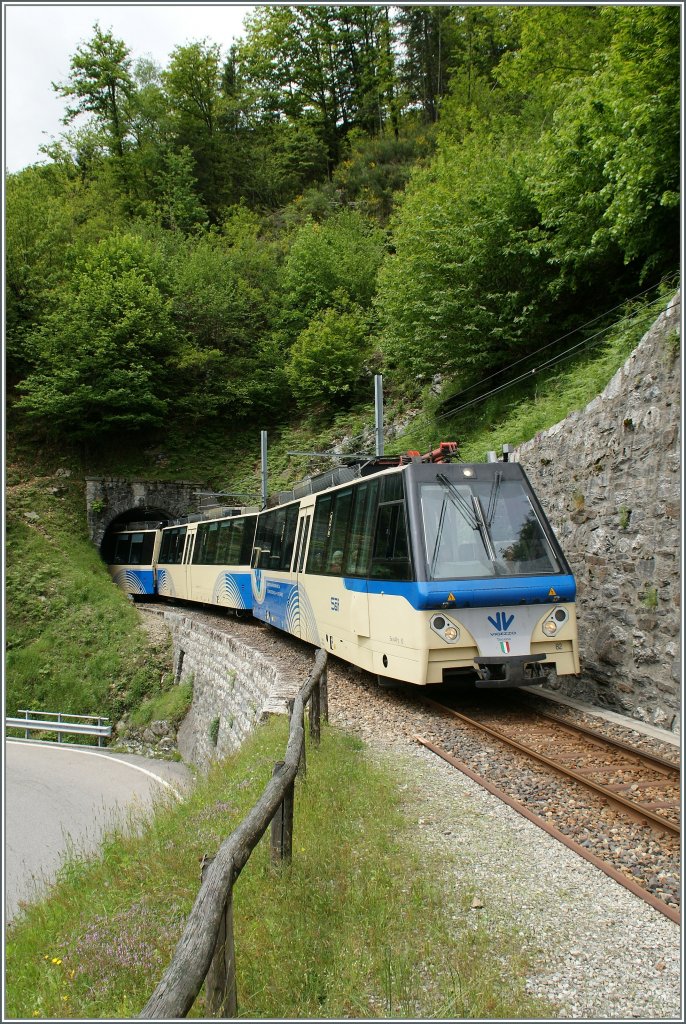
pixel 555 621
pixel 446 629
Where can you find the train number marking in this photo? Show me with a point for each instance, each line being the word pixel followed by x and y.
pixel 335 604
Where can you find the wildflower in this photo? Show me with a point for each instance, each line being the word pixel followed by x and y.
pixel 56 960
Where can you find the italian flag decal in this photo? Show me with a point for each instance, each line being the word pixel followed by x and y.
pixel 505 646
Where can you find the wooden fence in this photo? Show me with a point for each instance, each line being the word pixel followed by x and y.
pixel 205 951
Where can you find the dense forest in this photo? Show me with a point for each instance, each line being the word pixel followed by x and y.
pixel 347 190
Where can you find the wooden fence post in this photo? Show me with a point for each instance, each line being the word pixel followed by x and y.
pixel 282 824
pixel 324 693
pixel 302 764
pixel 315 704
pixel 220 984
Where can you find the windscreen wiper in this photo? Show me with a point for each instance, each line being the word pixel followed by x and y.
pixel 460 503
pixel 493 498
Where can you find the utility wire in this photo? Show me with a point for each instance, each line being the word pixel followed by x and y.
pixel 562 337
pixel 454 410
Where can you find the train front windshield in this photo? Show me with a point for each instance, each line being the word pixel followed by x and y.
pixel 482 528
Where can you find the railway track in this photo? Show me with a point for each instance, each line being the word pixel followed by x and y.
pixel 600 796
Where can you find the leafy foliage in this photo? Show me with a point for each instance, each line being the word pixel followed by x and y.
pixel 100 352
pixel 328 356
pixel 471 181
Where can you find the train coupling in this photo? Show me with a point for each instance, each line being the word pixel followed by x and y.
pixel 519 670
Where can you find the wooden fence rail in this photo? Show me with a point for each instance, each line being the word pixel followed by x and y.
pixel 205 950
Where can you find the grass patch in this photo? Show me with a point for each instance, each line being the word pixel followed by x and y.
pixel 355 927
pixel 170 706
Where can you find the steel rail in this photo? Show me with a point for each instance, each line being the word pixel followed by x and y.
pixel 615 798
pixel 664 908
pixel 652 760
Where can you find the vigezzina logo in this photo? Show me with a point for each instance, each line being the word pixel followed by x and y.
pixel 502 621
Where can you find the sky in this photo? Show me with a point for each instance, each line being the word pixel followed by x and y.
pixel 39 40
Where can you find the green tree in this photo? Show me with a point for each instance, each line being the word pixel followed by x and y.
pixel 193 84
pixel 466 288
pixel 179 204
pixel 105 353
pixel 327 263
pixel 100 83
pixel 327 359
pixel 39 225
pixel 607 179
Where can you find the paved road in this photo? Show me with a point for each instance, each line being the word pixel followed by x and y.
pixel 58 798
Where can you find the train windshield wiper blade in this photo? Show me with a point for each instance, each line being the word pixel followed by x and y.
pixel 493 499
pixel 483 529
pixel 439 534
pixel 458 501
pixel 473 515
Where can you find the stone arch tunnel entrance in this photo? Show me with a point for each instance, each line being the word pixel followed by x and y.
pixel 112 503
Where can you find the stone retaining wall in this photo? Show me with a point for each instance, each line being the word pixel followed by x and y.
pixel 234 688
pixel 609 478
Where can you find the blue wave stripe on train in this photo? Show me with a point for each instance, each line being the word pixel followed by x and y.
pixel 233 589
pixel 136 581
pixel 478 593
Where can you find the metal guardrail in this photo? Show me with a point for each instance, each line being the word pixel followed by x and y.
pixel 60 722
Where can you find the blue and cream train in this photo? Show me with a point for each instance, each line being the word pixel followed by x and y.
pixel 415 568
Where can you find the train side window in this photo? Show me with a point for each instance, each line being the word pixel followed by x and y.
pixel 288 536
pixel 232 531
pixel 171 549
pixel 338 533
pixel 361 532
pixel 122 549
pixel 392 488
pixel 320 533
pixel 223 542
pixel 148 548
pixel 306 530
pixel 212 543
pixel 200 540
pixel 391 557
pixel 136 553
pixel 163 556
pixel 264 540
pixel 245 556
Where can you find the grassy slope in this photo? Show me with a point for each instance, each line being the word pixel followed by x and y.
pixel 74 643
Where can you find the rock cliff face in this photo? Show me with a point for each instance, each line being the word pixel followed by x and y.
pixel 609 479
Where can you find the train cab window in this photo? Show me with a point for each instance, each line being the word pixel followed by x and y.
pixel 391 555
pixel 482 529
